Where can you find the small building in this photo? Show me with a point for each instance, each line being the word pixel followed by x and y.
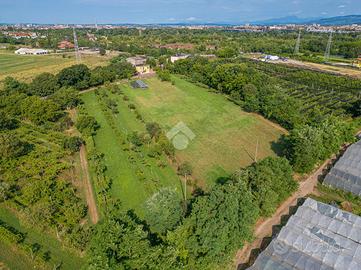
pixel 27 51
pixel 64 45
pixel 139 62
pixel 179 56
pixel 139 84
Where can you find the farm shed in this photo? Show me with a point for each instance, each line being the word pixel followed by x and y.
pixel 346 174
pixel 317 236
pixel 139 84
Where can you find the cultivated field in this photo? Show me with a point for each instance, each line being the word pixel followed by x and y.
pixel 226 137
pixel 135 176
pixel 25 67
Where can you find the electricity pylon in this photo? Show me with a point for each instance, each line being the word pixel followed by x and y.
pixel 328 48
pixel 76 47
pixel 297 47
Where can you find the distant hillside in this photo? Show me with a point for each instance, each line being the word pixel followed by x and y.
pixel 284 20
pixel 340 20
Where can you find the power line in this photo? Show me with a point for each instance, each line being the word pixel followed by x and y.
pixel 328 48
pixel 76 47
pixel 297 47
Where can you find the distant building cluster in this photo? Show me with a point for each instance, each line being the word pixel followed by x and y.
pixel 241 28
pixel 64 45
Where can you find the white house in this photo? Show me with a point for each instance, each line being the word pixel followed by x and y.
pixel 180 56
pixel 24 51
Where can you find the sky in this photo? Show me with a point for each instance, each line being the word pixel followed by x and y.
pixel 169 11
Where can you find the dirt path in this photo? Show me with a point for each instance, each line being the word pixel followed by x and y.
pixel 86 185
pixel 92 206
pixel 264 227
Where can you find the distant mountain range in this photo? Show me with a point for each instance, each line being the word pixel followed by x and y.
pixel 339 20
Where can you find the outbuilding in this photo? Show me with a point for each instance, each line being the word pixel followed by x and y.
pixel 139 84
pixel 24 51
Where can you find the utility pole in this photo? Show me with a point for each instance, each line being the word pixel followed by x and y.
pixel 76 47
pixel 297 47
pixel 256 153
pixel 328 48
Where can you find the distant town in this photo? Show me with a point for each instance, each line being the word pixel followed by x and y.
pixel 318 28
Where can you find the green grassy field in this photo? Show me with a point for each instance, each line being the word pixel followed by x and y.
pixel 18 259
pixel 125 167
pixel 226 137
pixel 25 67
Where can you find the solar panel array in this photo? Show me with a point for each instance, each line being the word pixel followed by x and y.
pixel 139 84
pixel 317 237
pixel 346 174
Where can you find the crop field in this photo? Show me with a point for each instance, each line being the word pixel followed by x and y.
pixel 226 138
pixel 135 176
pixel 48 244
pixel 25 67
pixel 331 93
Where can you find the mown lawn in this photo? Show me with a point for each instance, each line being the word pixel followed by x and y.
pixel 127 185
pixel 18 259
pixel 25 67
pixel 226 137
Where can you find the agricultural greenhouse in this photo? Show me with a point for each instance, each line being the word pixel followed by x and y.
pixel 317 236
pixel 346 174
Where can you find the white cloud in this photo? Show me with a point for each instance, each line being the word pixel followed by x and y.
pixel 191 19
pixel 341 6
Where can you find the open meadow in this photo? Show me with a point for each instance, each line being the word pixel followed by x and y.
pixel 25 67
pixel 226 138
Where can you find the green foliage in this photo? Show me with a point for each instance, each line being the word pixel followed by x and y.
pixel 164 75
pixel 12 85
pixel 306 146
pixel 86 124
pixel 218 225
pixel 39 111
pixel 66 98
pixel 153 130
pixel 185 169
pixel 7 123
pixel 72 143
pixel 43 85
pixel 270 181
pixel 77 76
pixel 163 211
pixel 355 108
pixel 120 242
pixel 11 146
pixel 227 52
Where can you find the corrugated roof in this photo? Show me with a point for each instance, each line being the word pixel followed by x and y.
pixel 346 174
pixel 317 236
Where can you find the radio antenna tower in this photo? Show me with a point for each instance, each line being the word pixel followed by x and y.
pixel 297 47
pixel 328 48
pixel 76 47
